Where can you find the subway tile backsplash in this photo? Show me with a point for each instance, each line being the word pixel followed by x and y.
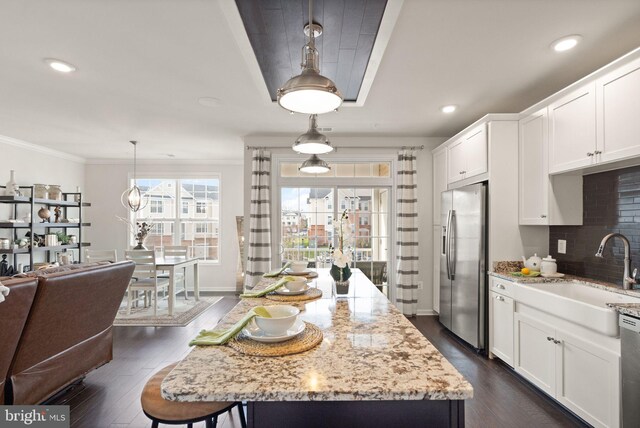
pixel 611 204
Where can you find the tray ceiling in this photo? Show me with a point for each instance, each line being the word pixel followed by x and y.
pixel 275 30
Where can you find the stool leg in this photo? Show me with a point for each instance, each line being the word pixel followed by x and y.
pixel 154 424
pixel 189 425
pixel 243 422
pixel 211 423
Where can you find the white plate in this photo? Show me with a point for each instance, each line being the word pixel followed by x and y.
pixel 283 291
pixel 288 271
pixel 252 331
pixel 552 275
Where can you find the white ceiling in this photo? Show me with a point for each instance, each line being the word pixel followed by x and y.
pixel 143 64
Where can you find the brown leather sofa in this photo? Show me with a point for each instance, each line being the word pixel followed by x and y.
pixel 68 331
pixel 13 316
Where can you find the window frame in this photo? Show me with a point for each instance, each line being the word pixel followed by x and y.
pixel 177 221
pixel 278 182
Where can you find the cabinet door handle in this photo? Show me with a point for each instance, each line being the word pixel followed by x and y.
pixel 543 216
pixel 461 173
pixel 556 341
pixel 550 339
pixel 500 298
pixel 589 154
pixel 597 152
pixel 500 286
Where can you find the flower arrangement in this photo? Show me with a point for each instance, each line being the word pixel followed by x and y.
pixel 340 270
pixel 140 231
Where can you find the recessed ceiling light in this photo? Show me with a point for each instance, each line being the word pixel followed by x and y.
pixel 171 155
pixel 61 66
pixel 566 43
pixel 448 109
pixel 209 101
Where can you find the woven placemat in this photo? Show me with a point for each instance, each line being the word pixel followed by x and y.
pixel 310 294
pixel 308 339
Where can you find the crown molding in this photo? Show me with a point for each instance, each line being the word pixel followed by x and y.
pixel 217 162
pixel 40 149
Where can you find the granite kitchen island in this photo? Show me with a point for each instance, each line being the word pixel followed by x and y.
pixel 373 368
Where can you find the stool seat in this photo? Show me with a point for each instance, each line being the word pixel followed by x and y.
pixel 168 411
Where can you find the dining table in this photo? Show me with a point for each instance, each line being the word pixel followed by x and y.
pixel 373 368
pixel 172 264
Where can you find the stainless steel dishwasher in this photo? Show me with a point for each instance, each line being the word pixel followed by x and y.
pixel 630 341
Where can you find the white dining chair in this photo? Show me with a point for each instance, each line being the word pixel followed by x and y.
pixel 100 255
pixel 176 251
pixel 146 279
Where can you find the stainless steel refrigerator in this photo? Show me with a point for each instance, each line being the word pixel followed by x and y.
pixel 462 263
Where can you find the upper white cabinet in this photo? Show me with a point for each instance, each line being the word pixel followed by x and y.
pixel 572 130
pixel 597 123
pixel 544 200
pixel 467 157
pixel 439 181
pixel 618 113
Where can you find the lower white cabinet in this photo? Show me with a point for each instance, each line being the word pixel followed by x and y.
pixel 579 374
pixel 501 321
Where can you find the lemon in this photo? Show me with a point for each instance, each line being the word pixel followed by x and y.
pixel 525 271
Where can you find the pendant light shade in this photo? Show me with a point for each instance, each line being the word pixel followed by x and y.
pixel 314 165
pixel 132 198
pixel 312 142
pixel 310 92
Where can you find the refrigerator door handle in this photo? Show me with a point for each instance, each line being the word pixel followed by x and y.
pixel 452 237
pixel 447 244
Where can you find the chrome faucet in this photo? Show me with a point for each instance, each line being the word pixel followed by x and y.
pixel 628 281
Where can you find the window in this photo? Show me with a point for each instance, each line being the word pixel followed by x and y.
pixel 174 222
pixel 156 206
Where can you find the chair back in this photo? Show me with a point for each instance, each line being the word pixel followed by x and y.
pixel 100 255
pixel 175 251
pixel 145 261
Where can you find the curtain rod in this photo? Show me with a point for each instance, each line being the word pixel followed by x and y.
pixel 421 147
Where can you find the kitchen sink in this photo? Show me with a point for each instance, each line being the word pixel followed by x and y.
pixel 575 302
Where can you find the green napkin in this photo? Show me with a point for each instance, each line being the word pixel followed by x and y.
pixel 269 289
pixel 276 272
pixel 217 337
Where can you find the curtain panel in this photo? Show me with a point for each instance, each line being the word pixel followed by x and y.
pixel 407 233
pixel 259 247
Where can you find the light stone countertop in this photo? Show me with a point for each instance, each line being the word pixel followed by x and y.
pixel 370 351
pixel 633 309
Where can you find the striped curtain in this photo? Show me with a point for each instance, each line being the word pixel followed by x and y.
pixel 407 233
pixel 259 254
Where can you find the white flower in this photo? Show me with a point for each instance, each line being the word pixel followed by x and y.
pixel 341 260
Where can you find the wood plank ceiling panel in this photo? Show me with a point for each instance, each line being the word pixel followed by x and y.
pixel 275 30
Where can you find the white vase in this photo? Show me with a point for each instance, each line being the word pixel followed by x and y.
pixel 12 188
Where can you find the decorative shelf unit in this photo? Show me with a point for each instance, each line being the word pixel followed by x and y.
pixel 72 200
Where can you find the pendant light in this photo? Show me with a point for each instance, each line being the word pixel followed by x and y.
pixel 314 165
pixel 132 198
pixel 312 142
pixel 310 92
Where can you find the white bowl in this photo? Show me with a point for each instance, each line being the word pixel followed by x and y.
pixel 282 318
pixel 298 266
pixel 297 285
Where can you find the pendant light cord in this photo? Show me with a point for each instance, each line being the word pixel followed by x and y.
pixel 312 39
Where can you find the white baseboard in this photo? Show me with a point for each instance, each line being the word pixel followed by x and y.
pixel 427 312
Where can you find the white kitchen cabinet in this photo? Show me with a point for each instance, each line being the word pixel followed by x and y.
pixel 439 181
pixel 501 326
pixel 578 373
pixel 583 368
pixel 467 157
pixel 618 110
pixel 572 130
pixel 535 353
pixel 543 199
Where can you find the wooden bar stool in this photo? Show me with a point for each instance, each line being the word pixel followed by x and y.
pixel 164 411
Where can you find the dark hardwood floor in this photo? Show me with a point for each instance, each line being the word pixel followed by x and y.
pixel 110 396
pixel 501 398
